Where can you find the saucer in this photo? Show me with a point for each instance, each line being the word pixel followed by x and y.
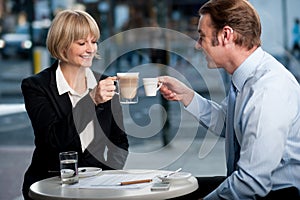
pixel 88 171
pixel 176 177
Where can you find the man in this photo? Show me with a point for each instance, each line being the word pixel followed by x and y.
pixel 263 152
pixel 296 38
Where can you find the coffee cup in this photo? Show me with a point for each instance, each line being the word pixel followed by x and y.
pixel 151 86
pixel 127 87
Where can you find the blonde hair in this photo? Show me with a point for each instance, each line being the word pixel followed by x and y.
pixel 67 27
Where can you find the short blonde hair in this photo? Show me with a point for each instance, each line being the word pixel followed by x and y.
pixel 67 27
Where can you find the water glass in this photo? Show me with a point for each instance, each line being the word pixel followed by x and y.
pixel 68 167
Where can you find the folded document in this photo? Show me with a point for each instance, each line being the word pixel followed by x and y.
pixel 113 181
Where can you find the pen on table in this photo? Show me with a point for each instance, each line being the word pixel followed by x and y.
pixel 136 182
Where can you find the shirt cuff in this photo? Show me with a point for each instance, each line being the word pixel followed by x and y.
pixel 194 106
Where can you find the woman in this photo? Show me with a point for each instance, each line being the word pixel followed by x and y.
pixel 69 110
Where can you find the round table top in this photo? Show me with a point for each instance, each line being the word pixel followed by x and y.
pixel 51 189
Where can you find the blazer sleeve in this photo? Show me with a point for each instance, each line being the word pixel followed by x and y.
pixel 119 150
pixel 110 118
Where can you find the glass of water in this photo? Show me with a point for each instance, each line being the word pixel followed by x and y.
pixel 68 167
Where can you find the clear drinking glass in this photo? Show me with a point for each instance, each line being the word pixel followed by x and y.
pixel 127 87
pixel 68 167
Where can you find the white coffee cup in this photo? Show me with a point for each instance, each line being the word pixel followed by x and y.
pixel 127 87
pixel 151 86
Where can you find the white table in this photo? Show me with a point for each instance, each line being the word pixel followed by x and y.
pixel 51 189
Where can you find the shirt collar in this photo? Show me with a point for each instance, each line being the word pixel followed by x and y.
pixel 246 69
pixel 63 86
pixel 90 78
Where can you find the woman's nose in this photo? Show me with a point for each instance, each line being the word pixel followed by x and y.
pixel 90 47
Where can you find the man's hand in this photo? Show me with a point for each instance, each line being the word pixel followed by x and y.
pixel 174 90
pixel 104 91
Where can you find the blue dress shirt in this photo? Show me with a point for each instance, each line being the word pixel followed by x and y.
pixel 267 126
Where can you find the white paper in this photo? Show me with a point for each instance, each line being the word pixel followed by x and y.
pixel 113 181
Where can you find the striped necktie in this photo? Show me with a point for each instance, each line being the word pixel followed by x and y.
pixel 231 144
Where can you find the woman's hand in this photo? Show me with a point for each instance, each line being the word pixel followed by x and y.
pixel 104 91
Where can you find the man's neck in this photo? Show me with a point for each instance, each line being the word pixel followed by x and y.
pixel 238 56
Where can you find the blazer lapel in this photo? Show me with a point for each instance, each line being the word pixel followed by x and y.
pixel 62 101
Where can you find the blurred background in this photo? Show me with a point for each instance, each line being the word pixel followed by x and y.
pixel 161 134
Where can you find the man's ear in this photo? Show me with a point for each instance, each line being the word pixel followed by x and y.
pixel 227 34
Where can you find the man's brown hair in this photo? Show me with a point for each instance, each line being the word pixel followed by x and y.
pixel 240 15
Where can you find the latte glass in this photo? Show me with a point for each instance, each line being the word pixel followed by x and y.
pixel 127 87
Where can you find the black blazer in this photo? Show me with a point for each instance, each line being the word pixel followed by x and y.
pixel 57 126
